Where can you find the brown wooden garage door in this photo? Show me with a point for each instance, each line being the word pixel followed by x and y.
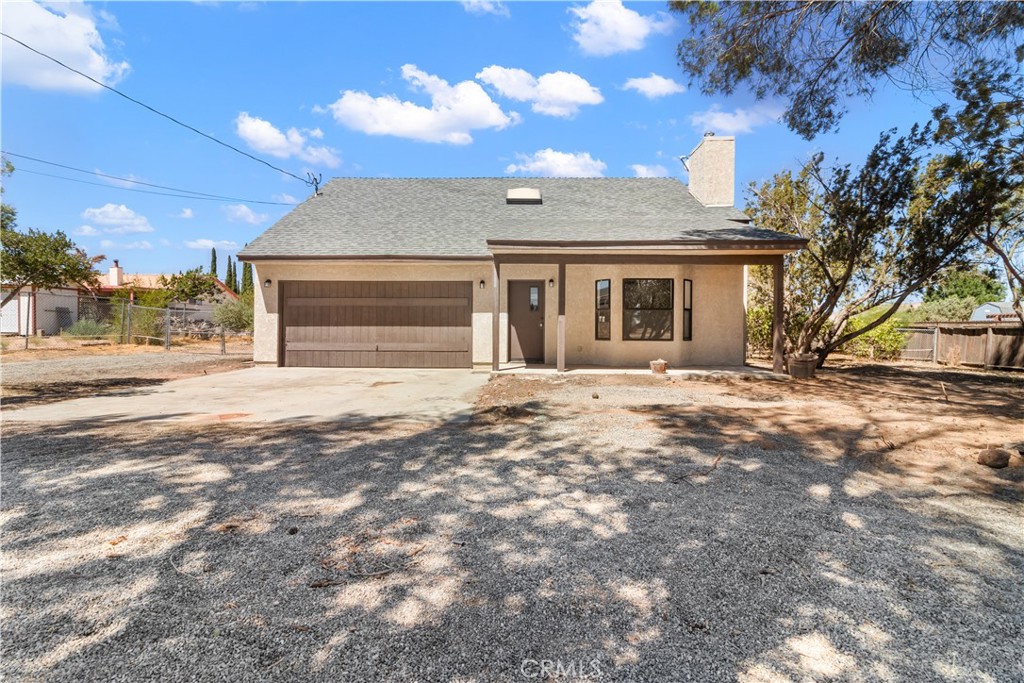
pixel 378 324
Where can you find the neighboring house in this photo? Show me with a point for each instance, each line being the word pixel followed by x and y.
pixel 457 272
pixel 50 311
pixel 39 311
pixel 998 311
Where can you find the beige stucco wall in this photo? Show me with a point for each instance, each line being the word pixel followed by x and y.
pixel 718 315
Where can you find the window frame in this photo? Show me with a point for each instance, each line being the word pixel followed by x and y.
pixel 598 309
pixel 672 309
pixel 687 310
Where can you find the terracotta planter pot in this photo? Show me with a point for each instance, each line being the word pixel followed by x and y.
pixel 802 366
pixel 659 367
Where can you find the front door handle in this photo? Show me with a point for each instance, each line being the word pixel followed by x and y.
pixel 542 324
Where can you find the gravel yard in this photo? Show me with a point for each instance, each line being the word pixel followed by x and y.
pixel 616 528
pixel 59 376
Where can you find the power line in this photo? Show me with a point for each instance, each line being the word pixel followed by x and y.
pixel 155 111
pixel 189 193
pixel 163 194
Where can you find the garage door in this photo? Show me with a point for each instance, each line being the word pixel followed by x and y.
pixel 378 324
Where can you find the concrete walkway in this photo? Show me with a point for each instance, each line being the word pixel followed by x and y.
pixel 265 394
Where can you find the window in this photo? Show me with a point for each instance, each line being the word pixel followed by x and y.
pixel 534 298
pixel 647 310
pixel 687 310
pixel 603 310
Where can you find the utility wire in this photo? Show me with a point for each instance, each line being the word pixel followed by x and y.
pixel 155 111
pixel 164 194
pixel 189 193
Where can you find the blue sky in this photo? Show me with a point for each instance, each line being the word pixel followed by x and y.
pixel 353 89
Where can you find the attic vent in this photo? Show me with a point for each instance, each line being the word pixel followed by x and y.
pixel 523 195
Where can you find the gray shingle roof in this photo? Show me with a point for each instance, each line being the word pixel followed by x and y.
pixel 456 216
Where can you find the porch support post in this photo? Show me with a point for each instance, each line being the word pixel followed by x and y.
pixel 778 335
pixel 495 314
pixel 561 318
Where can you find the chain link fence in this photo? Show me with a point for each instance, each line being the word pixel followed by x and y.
pixel 73 316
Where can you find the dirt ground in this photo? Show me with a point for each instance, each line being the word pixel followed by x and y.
pixel 926 420
pixel 54 369
pixel 618 528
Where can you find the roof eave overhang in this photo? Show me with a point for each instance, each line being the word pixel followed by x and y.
pixel 666 246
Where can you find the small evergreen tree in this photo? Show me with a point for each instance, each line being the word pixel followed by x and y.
pixel 246 277
pixel 213 261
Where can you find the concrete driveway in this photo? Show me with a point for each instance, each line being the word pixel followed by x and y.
pixel 279 394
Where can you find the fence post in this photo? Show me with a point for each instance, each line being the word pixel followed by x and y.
pixel 935 345
pixel 223 348
pixel 28 315
pixel 128 336
pixel 167 330
pixel 988 347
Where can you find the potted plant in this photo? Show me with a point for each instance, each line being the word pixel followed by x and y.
pixel 802 365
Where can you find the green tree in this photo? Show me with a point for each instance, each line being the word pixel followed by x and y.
pixel 8 214
pixel 246 278
pixel 213 261
pixel 875 236
pixel 190 284
pixel 816 55
pixel 44 260
pixel 976 284
pixel 229 276
pixel 236 316
pixel 984 166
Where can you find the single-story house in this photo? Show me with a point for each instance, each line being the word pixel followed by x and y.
pixel 463 272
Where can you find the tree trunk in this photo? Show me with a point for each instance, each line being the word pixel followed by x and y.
pixel 15 292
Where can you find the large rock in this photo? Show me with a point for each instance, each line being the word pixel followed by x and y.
pixel 996 458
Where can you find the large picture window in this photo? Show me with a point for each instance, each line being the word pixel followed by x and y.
pixel 603 309
pixel 647 309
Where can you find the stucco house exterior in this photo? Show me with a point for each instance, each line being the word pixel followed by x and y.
pixel 487 272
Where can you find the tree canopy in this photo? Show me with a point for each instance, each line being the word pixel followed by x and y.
pixel 876 234
pixel 191 284
pixel 816 55
pixel 44 260
pixel 976 284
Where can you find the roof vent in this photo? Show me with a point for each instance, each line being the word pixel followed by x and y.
pixel 523 195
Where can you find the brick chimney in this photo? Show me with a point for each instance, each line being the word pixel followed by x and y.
pixel 116 276
pixel 712 169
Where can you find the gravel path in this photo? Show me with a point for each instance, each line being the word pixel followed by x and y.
pixel 653 536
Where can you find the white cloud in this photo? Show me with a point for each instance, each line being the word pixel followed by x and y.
pixel 87 231
pixel 117 219
pixel 548 162
pixel 140 244
pixel 605 27
pixel 736 121
pixel 652 171
pixel 67 32
pixel 559 93
pixel 211 244
pixel 654 86
pixel 263 136
pixel 486 7
pixel 242 213
pixel 186 213
pixel 286 198
pixel 455 111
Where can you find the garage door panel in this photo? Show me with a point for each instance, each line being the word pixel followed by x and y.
pixel 378 324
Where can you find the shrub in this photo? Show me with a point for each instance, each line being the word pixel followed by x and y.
pixel 759 329
pixel 89 329
pixel 951 308
pixel 884 342
pixel 235 316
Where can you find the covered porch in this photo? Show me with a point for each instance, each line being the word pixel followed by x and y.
pixel 604 306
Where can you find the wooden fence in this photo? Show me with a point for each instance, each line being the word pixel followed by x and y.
pixel 981 344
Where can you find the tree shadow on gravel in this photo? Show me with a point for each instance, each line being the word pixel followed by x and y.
pixel 637 543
